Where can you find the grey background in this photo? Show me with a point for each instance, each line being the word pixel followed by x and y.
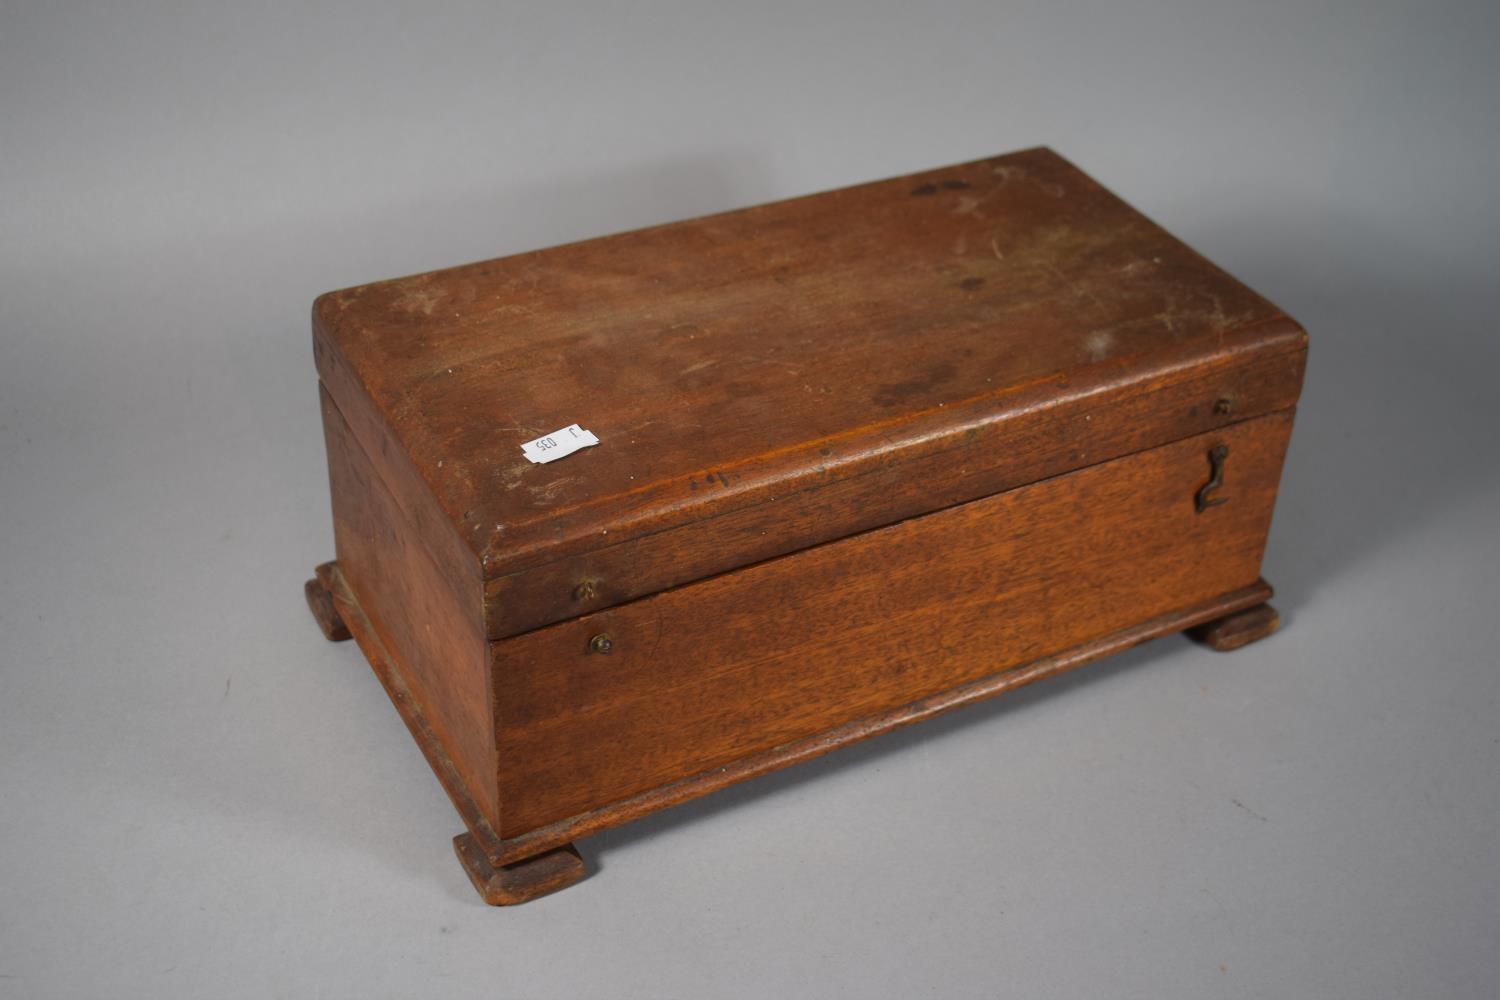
pixel 200 797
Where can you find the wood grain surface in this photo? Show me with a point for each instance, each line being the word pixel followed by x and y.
pixel 964 322
pixel 429 620
pixel 700 676
pixel 1072 433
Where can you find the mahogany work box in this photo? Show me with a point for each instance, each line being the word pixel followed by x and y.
pixel 861 458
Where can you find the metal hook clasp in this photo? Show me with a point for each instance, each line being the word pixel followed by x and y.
pixel 1216 456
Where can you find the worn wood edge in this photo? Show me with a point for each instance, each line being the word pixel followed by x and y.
pixel 386 668
pixel 565 831
pixel 542 539
pixel 508 885
pixel 1237 630
pixel 324 613
pixel 433 522
pixel 493 559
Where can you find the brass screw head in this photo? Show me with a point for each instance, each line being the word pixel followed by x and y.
pixel 1224 405
pixel 585 591
pixel 601 643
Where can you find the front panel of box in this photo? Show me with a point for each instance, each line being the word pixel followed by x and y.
pixel 604 707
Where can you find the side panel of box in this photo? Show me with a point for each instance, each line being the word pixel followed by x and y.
pixel 713 672
pixel 429 622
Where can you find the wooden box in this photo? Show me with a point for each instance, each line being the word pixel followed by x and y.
pixel 862 457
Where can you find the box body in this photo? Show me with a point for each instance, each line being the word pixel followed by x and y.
pixel 863 456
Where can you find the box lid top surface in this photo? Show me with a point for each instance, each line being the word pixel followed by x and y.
pixel 725 360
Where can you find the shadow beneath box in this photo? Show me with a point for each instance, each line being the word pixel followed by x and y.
pixel 871 751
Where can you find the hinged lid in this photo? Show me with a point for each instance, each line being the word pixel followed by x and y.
pixel 783 375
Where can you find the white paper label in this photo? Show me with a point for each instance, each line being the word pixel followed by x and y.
pixel 558 444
